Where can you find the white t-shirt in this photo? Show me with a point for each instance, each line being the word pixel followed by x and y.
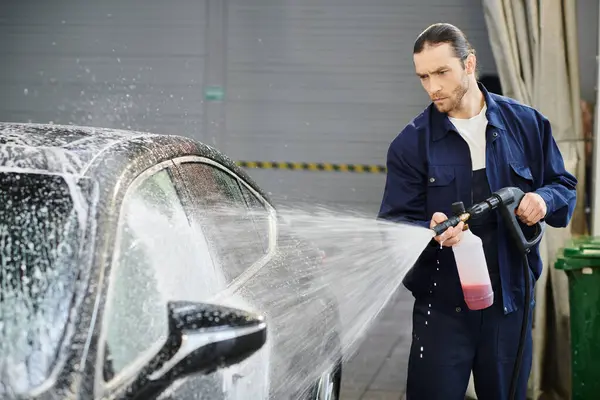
pixel 472 131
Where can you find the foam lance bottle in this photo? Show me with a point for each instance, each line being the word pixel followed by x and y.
pixel 472 268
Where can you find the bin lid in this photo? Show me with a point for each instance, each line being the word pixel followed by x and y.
pixel 579 253
pixel 585 265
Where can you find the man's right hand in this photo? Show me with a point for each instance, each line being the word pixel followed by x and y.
pixel 452 235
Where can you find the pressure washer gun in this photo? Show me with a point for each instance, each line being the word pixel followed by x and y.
pixel 506 200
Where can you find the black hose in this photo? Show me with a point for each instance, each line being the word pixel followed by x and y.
pixel 524 324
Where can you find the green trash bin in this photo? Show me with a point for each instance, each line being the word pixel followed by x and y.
pixel 580 259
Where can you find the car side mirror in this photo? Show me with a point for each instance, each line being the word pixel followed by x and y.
pixel 202 338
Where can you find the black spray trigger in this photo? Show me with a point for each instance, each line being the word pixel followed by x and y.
pixel 513 197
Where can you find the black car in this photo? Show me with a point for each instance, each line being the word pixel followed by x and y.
pixel 142 266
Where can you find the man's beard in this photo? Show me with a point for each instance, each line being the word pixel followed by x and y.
pixel 453 102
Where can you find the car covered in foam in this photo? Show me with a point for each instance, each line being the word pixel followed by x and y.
pixel 140 266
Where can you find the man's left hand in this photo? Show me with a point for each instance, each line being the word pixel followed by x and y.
pixel 531 209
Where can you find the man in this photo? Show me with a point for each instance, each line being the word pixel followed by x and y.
pixel 465 145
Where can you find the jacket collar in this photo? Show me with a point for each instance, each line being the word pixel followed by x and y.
pixel 441 125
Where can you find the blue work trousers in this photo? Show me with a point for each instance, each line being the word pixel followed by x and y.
pixel 450 343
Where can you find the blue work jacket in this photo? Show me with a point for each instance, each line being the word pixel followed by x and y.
pixel 429 168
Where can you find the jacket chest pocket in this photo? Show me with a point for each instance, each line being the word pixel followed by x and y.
pixel 521 176
pixel 441 189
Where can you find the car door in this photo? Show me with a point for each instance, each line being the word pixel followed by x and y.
pixel 158 257
pixel 217 206
pixel 244 240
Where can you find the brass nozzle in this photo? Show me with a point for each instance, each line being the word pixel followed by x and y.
pixel 452 221
pixel 464 217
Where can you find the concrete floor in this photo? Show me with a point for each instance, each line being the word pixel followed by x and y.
pixel 377 370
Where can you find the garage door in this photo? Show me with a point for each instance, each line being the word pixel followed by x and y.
pixel 133 64
pixel 325 81
pixel 329 81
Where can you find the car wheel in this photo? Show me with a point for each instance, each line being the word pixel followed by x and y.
pixel 329 384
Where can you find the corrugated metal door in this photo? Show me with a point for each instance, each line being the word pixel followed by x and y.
pixel 312 81
pixel 128 64
pixel 329 81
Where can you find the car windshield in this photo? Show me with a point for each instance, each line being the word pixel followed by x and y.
pixel 42 228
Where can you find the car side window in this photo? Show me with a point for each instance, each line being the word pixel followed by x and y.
pixel 218 207
pixel 159 258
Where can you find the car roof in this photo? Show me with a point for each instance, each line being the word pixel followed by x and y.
pixel 76 150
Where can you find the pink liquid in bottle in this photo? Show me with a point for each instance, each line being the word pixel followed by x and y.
pixel 478 296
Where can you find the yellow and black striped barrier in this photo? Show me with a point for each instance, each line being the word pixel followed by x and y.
pixel 303 166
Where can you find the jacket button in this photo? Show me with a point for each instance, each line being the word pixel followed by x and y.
pixel 432 179
pixel 458 309
pixel 495 134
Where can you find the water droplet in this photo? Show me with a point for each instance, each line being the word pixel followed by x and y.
pixel 26 91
